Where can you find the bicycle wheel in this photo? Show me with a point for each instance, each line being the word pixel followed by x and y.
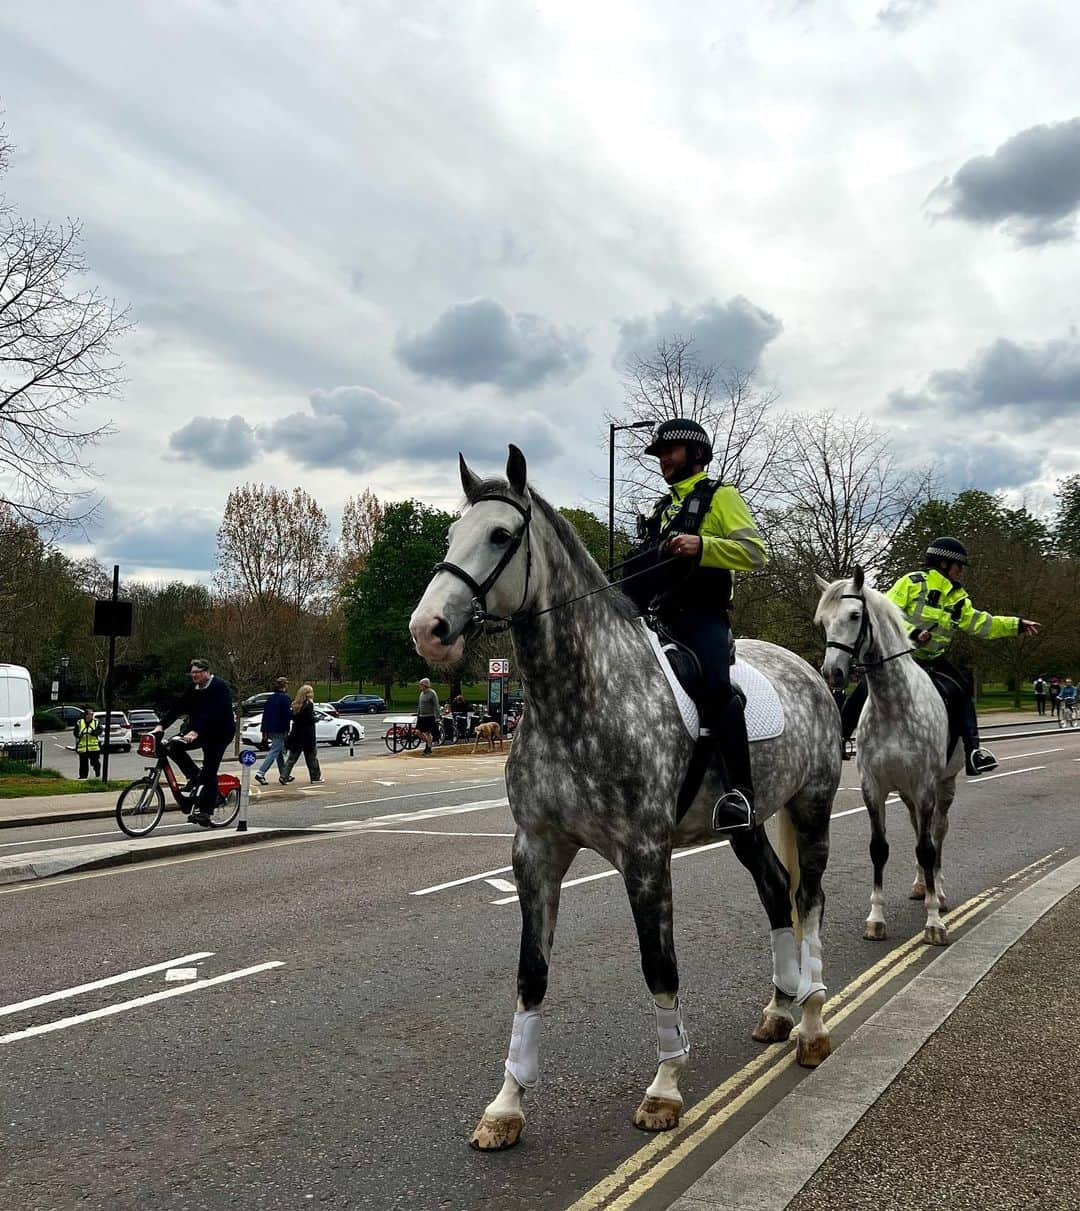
pixel 228 808
pixel 414 738
pixel 392 739
pixel 140 807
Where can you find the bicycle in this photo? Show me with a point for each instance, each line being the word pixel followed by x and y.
pixel 142 804
pixel 1067 714
pixel 401 736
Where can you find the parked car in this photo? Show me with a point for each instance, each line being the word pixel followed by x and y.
pixel 327 708
pixel 360 704
pixel 255 703
pixel 142 721
pixel 119 731
pixel 67 715
pixel 329 729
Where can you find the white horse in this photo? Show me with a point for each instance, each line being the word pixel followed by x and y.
pixel 902 740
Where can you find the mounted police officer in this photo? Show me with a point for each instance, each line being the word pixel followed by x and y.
pixel 937 606
pixel 706 532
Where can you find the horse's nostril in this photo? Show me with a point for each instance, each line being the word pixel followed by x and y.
pixel 440 629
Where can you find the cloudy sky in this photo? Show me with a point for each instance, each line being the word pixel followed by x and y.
pixel 358 235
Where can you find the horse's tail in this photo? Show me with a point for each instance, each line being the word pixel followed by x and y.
pixel 789 855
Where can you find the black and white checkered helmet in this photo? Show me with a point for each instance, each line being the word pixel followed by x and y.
pixel 950 549
pixel 680 430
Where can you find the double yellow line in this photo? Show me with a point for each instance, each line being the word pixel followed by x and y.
pixel 642 1171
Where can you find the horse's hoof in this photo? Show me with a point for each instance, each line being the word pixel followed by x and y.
pixel 493 1134
pixel 810 1052
pixel 936 935
pixel 657 1114
pixel 773 1028
pixel 875 931
pixel 918 892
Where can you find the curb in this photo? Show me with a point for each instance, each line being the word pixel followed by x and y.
pixel 48 863
pixel 88 813
pixel 770 1164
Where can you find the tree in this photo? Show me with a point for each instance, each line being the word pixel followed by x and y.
pixel 56 358
pixel 411 539
pixel 593 533
pixel 1067 521
pixel 360 519
pixel 846 500
pixel 273 547
pixel 748 447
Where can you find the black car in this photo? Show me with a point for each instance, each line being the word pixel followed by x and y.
pixel 254 704
pixel 360 704
pixel 68 715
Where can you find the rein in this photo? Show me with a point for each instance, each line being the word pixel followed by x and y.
pixel 494 623
pixel 866 630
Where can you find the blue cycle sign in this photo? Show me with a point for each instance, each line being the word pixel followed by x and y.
pixel 248 757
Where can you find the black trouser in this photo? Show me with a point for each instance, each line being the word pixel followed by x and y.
pixel 1040 703
pixel 213 752
pixel 90 759
pixel 708 635
pixel 957 689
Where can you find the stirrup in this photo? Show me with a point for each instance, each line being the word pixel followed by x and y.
pixel 733 811
pixel 979 761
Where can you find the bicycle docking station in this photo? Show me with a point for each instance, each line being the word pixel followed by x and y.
pixel 248 757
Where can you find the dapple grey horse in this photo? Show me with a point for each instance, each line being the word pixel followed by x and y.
pixel 901 740
pixel 612 786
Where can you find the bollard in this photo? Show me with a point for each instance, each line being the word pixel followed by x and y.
pixel 247 759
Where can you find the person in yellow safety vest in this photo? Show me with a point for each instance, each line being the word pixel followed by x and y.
pixel 87 732
pixel 696 537
pixel 936 605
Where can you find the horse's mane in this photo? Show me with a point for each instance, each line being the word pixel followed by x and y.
pixel 884 609
pixel 577 553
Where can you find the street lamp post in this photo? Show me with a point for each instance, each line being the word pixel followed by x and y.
pixel 64 662
pixel 330 686
pixel 612 430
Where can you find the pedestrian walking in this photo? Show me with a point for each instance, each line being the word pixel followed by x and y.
pixel 427 715
pixel 1055 695
pixel 302 737
pixel 1040 695
pixel 87 732
pixel 276 719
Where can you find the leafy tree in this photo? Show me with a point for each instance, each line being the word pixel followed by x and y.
pixel 411 539
pixel 1067 520
pixel 594 534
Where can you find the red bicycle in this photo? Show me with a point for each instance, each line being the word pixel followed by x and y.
pixel 142 804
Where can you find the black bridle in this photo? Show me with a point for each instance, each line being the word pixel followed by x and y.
pixel 866 631
pixel 482 619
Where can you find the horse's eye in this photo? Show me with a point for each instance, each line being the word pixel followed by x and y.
pixel 501 537
pixel 855 617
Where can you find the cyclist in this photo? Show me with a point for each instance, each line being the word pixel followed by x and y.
pixel 1067 699
pixel 207 703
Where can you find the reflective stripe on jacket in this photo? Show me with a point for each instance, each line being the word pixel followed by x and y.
pixel 729 536
pixel 931 602
pixel 86 736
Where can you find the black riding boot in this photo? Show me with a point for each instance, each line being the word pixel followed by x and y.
pixel 735 807
pixel 849 715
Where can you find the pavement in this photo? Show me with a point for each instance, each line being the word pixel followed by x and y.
pixel 962 1091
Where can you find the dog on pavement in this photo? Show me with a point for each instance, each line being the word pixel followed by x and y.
pixel 491 732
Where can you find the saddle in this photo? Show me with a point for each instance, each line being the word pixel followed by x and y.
pixel 761 703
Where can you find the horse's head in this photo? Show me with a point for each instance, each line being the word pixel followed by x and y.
pixel 487 566
pixel 843 613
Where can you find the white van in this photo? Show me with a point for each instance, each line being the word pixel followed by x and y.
pixel 16 705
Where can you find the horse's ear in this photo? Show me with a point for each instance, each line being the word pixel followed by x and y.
pixel 859 578
pixel 822 583
pixel 469 481
pixel 516 470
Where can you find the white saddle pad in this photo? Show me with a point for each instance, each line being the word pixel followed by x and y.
pixel 764 711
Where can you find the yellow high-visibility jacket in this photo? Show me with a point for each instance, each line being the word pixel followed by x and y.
pixel 931 602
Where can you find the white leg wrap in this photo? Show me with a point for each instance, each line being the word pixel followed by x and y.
pixel 810 968
pixel 785 960
pixel 523 1062
pixel 671 1040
